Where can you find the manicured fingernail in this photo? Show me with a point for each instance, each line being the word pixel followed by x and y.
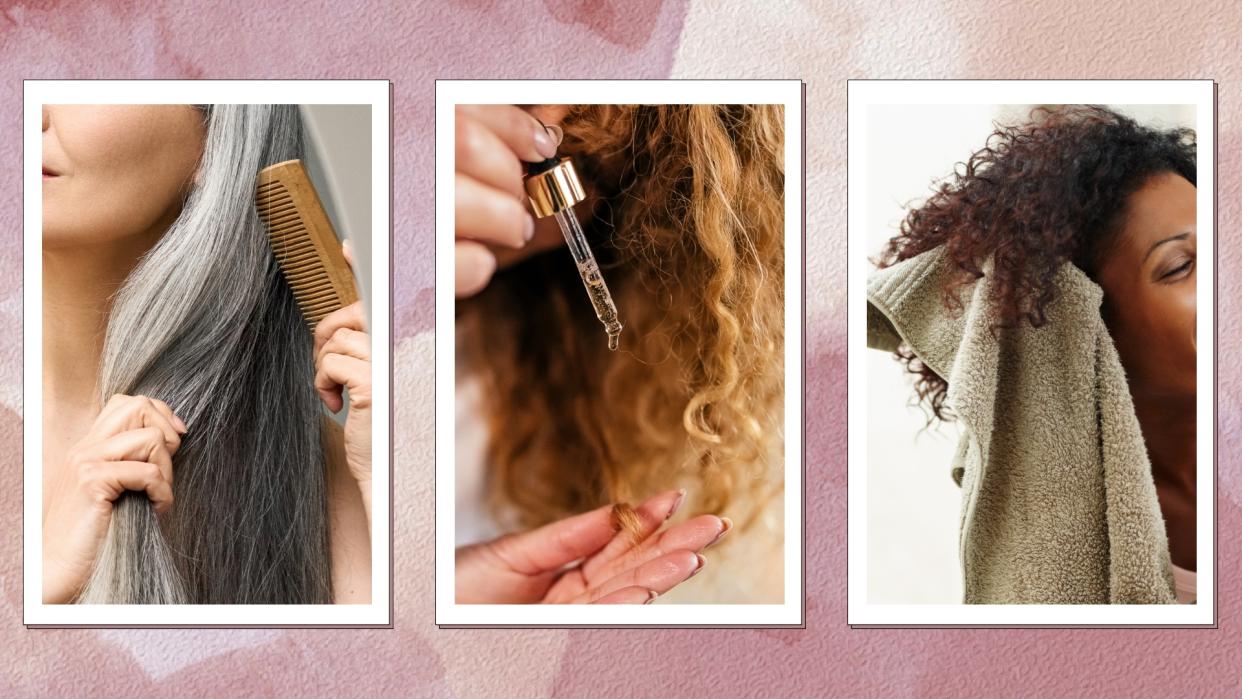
pixel 651 595
pixel 728 524
pixel 702 562
pixel 557 133
pixel 681 496
pixel 180 424
pixel 544 142
pixel 528 231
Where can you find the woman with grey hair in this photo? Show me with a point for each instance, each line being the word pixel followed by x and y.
pixel 174 347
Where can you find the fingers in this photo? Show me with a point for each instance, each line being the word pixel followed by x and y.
pixel 661 575
pixel 123 413
pixel 130 447
pixel 556 545
pixel 692 535
pixel 145 444
pixel 490 199
pixel 352 316
pixel 629 595
pixel 349 342
pixel 337 370
pixel 489 215
pixel 652 515
pixel 167 411
pixel 111 478
pixel 520 131
pixel 475 265
pixel 343 358
pixel 484 157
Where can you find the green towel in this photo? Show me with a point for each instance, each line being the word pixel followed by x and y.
pixel 1058 501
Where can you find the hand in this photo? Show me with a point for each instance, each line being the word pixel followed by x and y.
pixel 343 361
pixel 604 566
pixel 490 200
pixel 129 447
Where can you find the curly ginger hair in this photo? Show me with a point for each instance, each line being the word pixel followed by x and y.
pixel 687 222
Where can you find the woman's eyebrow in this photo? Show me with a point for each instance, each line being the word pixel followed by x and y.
pixel 1179 236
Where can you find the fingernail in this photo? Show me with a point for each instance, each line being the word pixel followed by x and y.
pixel 728 524
pixel 681 496
pixel 529 231
pixel 180 424
pixel 544 142
pixel 651 595
pixel 702 562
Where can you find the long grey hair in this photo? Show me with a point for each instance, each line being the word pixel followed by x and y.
pixel 207 323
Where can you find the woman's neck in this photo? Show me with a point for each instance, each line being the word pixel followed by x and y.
pixel 78 286
pixel 1168 426
pixel 1169 432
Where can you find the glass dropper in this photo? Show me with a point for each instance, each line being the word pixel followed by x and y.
pixel 554 188
pixel 588 269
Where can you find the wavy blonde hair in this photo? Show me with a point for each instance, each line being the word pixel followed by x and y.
pixel 687 221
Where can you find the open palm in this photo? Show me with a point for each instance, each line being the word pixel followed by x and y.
pixel 583 559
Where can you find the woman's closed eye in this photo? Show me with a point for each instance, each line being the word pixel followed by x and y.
pixel 1177 269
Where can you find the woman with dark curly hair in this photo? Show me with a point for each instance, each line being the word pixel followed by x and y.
pixel 1089 188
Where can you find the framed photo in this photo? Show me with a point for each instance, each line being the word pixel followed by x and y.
pixel 1021 253
pixel 620 385
pixel 207 341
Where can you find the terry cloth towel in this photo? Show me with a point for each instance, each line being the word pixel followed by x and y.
pixel 1058 501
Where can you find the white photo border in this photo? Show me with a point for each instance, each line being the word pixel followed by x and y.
pixel 375 93
pixel 864 93
pixel 450 93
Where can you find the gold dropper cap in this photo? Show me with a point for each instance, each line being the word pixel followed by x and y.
pixel 554 189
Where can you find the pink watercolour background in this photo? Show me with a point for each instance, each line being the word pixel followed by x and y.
pixel 416 44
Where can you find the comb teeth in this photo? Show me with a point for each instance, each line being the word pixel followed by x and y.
pixel 303 241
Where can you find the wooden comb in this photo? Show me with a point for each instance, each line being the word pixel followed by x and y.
pixel 303 241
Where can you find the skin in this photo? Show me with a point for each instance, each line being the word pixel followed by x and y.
pixel 1149 279
pixel 118 175
pixel 494 226
pixel 581 559
pixel 128 447
pixel 343 368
